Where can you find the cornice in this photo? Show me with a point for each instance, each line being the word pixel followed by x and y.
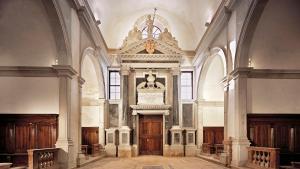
pixel 27 71
pixel 150 107
pixel 250 72
pixel 150 57
pixel 37 71
pixel 64 71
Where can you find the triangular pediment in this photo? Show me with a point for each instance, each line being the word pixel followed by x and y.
pixel 160 46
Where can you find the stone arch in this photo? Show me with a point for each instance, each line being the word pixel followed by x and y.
pixel 64 54
pixel 210 92
pixel 248 29
pixel 93 92
pixel 90 53
pixel 214 53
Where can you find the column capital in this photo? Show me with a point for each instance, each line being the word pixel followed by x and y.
pixel 64 71
pixel 242 72
pixel 81 81
pixel 175 71
pixel 125 70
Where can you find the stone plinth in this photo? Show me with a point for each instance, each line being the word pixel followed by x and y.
pixel 110 150
pixel 176 150
pixel 190 150
pixel 134 150
pixel 124 151
pixel 110 147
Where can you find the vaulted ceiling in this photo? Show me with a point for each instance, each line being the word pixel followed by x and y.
pixel 186 18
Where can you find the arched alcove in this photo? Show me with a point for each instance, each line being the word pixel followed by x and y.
pixel 92 99
pixel 211 100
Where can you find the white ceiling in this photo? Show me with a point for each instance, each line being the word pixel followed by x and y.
pixel 186 18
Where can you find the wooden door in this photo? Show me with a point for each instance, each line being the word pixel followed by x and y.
pixel 150 135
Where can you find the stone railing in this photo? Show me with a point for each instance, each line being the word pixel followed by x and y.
pixel 43 158
pixel 263 157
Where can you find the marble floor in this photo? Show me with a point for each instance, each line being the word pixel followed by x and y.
pixel 152 162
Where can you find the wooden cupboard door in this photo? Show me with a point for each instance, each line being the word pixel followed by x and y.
pixel 150 135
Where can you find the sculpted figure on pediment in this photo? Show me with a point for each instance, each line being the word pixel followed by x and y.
pixel 167 37
pixel 134 35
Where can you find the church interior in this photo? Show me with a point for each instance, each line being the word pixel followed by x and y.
pixel 140 84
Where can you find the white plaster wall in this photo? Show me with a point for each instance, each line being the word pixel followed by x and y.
pixel 212 86
pixel 26 35
pixel 90 116
pixel 273 96
pixel 213 116
pixel 29 95
pixel 275 43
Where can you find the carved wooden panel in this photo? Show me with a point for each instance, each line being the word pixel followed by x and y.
pixel 213 135
pixel 22 132
pixel 276 130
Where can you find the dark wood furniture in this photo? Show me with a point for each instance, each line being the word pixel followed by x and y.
pixel 84 149
pixel 150 134
pixel 22 132
pixel 276 131
pixel 213 140
pixel 90 136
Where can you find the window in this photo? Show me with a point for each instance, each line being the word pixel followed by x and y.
pixel 155 33
pixel 114 85
pixel 187 85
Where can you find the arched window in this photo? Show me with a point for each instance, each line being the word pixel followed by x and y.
pixel 155 33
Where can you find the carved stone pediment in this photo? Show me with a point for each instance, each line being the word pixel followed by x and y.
pixel 160 46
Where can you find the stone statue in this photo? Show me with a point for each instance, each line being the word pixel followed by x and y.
pixel 134 35
pixel 167 37
pixel 150 26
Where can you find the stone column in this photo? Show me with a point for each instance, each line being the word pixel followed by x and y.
pixel 175 104
pixel 124 149
pixel 200 124
pixel 124 95
pixel 68 155
pixel 80 83
pixel 102 105
pixel 238 118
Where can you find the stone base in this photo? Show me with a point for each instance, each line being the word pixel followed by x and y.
pixel 166 150
pixel 124 151
pixel 239 152
pixel 110 150
pixel 176 151
pixel 190 150
pixel 134 150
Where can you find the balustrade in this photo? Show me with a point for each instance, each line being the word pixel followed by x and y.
pixel 263 157
pixel 43 158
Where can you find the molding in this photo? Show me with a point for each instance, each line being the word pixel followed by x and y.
pixel 250 72
pixel 27 71
pixel 64 71
pixel 211 103
pixel 35 71
pixel 151 57
pixel 150 107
